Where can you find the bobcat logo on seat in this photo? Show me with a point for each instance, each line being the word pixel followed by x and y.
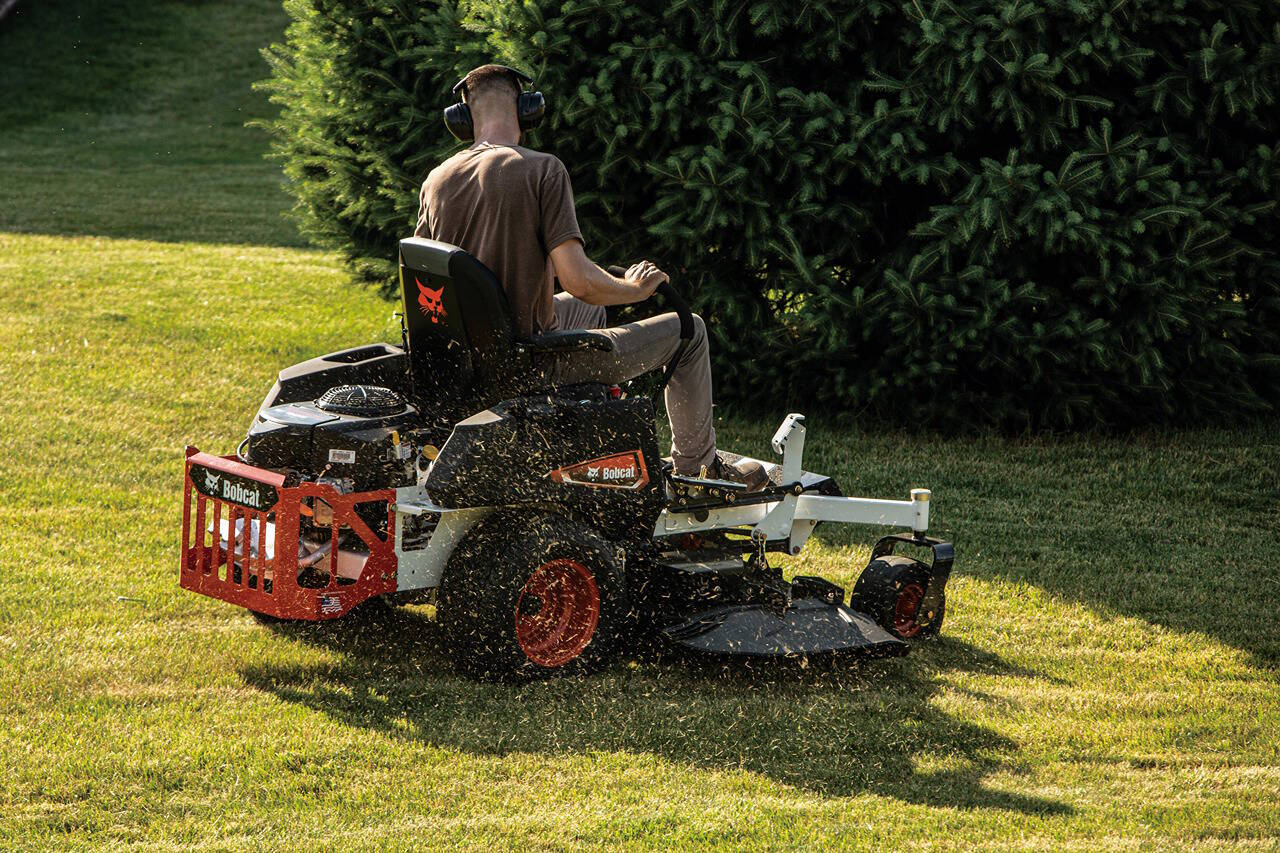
pixel 431 302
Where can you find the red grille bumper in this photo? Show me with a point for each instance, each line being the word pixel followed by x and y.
pixel 240 540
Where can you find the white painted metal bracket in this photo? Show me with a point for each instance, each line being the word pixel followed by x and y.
pixel 779 522
pixel 422 568
pixel 912 513
pixel 788 442
pixel 794 516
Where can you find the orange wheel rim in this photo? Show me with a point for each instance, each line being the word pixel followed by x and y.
pixel 907 610
pixel 557 612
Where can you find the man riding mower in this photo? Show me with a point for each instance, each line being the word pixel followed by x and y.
pixel 494 464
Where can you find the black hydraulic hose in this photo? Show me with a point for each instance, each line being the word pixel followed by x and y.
pixel 408 358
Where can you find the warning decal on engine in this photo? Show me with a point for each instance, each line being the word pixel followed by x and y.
pixel 347 457
pixel 619 471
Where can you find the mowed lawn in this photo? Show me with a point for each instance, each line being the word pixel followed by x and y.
pixel 128 119
pixel 1107 676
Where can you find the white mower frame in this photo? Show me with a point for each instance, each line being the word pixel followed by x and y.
pixel 791 518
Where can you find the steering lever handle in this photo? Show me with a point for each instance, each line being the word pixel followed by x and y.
pixel 676 303
pixel 673 300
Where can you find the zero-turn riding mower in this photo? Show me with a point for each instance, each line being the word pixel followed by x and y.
pixel 543 521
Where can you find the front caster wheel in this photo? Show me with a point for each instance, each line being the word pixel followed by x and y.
pixel 891 591
pixel 529 596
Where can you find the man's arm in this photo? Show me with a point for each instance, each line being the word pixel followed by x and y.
pixel 423 227
pixel 584 279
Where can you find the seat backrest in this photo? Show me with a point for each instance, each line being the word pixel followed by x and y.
pixel 461 341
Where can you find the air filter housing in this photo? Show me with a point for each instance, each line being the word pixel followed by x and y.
pixel 365 434
pixel 368 401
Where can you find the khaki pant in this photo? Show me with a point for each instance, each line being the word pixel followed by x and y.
pixel 639 348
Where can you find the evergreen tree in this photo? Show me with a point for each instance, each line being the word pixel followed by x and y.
pixel 358 85
pixel 1052 213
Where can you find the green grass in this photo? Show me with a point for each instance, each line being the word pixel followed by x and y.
pixel 127 120
pixel 1107 675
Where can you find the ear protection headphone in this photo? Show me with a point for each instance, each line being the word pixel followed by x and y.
pixel 530 107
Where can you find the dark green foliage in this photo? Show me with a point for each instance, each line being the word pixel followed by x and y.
pixel 359 128
pixel 1045 214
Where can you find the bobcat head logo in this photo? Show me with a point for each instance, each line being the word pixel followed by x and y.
pixel 211 481
pixel 431 302
pixel 592 473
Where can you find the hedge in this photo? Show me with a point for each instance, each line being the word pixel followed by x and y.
pixel 1021 215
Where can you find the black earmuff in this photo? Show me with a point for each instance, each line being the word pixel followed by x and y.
pixel 530 108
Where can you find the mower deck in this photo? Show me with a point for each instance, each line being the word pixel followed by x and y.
pixel 805 628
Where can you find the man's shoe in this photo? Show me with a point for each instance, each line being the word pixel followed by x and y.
pixel 746 471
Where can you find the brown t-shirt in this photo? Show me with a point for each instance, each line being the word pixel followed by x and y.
pixel 509 207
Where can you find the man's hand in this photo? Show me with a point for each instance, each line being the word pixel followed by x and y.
pixel 645 276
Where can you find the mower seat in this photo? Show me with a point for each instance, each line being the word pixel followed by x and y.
pixel 461 343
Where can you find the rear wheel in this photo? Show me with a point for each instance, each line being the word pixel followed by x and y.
pixel 891 591
pixel 528 596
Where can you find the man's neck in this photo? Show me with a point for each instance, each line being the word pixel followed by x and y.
pixel 498 134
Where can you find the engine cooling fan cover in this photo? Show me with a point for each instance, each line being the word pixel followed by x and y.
pixel 362 400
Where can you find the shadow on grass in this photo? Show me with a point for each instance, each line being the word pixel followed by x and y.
pixel 1165 527
pixel 835 730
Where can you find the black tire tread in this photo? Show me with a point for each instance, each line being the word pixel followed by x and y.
pixel 876 592
pixel 483 579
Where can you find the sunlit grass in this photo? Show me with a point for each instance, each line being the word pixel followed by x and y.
pixel 127 120
pixel 1107 676
pixel 1107 671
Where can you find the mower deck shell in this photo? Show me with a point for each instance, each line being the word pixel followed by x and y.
pixel 805 628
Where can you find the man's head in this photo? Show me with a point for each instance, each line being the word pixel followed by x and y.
pixel 492 92
pixel 493 101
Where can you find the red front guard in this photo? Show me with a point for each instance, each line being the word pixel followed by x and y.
pixel 247 573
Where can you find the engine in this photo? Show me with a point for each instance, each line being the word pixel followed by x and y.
pixel 359 437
